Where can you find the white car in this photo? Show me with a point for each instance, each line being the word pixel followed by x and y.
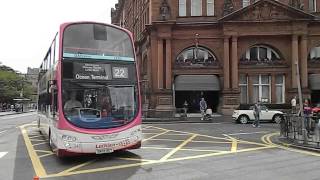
pixel 244 114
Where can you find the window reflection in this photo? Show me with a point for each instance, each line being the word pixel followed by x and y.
pixel 196 57
pixel 260 54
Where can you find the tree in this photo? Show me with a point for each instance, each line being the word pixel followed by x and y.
pixel 12 84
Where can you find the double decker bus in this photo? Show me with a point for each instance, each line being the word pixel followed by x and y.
pixel 88 91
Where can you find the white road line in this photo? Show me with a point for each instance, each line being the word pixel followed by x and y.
pixel 3 131
pixel 3 154
pixel 17 116
pixel 259 132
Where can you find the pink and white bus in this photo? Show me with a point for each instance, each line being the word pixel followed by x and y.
pixel 88 95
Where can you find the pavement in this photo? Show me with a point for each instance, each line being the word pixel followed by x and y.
pixel 8 113
pixel 191 118
pixel 297 144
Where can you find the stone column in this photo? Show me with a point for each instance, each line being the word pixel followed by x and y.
pixel 304 61
pixel 168 64
pixel 273 88
pixel 234 63
pixel 294 60
pixel 160 64
pixel 250 89
pixel 226 63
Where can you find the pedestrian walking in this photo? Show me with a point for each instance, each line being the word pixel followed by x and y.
pixel 256 112
pixel 294 105
pixel 203 107
pixel 185 107
pixel 307 110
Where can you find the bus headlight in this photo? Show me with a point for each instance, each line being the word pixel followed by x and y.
pixel 67 138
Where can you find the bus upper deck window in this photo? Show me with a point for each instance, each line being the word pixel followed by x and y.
pixel 99 32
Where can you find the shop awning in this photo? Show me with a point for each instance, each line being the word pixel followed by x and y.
pixel 197 83
pixel 314 81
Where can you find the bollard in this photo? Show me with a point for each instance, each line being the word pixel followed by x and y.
pixel 35 178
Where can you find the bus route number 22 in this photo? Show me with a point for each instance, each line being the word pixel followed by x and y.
pixel 120 72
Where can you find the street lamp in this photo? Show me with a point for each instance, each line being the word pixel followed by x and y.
pixel 304 131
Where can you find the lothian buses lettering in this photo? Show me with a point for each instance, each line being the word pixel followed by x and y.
pixel 92 56
pixel 80 55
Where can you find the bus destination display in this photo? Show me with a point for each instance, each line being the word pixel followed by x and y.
pixel 87 71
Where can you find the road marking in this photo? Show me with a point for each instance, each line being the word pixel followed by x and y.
pixel 213 142
pixel 259 132
pixel 45 155
pixel 3 131
pixel 155 136
pixel 38 140
pixel 42 151
pixel 184 149
pixel 17 116
pixel 39 143
pixel 267 139
pixel 141 162
pixel 76 167
pixel 136 159
pixel 178 148
pixel 2 154
pixel 150 163
pixel 35 136
pixel 172 140
pixel 234 145
pixel 38 167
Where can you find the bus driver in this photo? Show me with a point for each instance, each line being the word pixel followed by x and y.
pixel 72 102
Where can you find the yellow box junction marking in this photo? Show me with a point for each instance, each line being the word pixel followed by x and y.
pixel 40 171
pixel 267 139
pixel 178 148
pixel 234 145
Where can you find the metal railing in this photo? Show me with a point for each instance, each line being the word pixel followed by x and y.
pixel 291 128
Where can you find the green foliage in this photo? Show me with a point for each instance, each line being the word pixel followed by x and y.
pixel 11 85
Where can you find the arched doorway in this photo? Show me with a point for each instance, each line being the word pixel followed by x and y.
pixel 192 87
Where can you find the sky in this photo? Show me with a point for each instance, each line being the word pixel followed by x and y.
pixel 28 26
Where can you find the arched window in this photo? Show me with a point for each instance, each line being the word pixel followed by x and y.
pixel 314 55
pixel 260 54
pixel 196 56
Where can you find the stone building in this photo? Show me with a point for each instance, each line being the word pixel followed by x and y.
pixel 32 77
pixel 228 51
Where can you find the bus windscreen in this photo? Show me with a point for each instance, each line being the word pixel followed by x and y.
pixel 97 41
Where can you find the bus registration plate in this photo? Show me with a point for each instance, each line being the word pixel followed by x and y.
pixel 104 150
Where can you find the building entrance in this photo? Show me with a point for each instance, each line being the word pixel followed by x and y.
pixel 315 97
pixel 192 88
pixel 193 98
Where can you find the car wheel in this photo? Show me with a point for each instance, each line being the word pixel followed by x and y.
pixel 277 118
pixel 243 119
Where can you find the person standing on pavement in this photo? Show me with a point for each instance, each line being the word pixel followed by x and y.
pixel 256 112
pixel 203 107
pixel 294 104
pixel 307 110
pixel 185 107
